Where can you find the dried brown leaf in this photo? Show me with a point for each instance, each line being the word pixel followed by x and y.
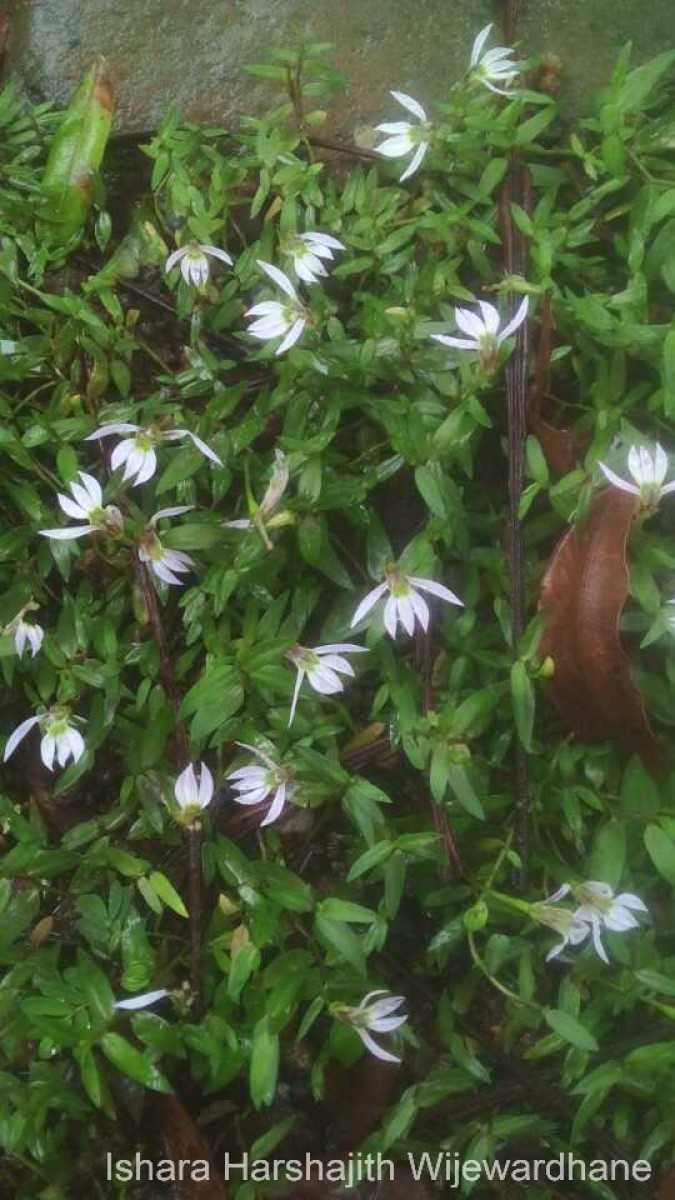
pixel 583 593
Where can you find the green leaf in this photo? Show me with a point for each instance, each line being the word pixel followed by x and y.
pixel 264 1065
pixel 340 937
pixel 460 784
pixel 345 910
pixel 167 893
pixel 244 961
pixel 668 370
pixel 570 1029
pixel 609 853
pixel 661 850
pixel 522 691
pixel 130 1061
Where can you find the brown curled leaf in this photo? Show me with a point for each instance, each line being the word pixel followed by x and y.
pixel 583 592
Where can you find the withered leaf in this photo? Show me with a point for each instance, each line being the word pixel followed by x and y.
pixel 583 593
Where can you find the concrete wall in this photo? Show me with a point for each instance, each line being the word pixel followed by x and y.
pixel 192 51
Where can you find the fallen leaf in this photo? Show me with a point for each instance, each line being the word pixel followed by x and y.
pixel 583 593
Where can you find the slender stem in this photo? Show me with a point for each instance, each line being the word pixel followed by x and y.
pixel 195 869
pixel 181 755
pixel 452 867
pixel 515 189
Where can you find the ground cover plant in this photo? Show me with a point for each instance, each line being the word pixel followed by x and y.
pixel 335 571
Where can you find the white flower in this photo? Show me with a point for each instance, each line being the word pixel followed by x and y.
pixel 193 796
pixel 376 1016
pixel 404 137
pixel 404 602
pixel 648 473
pixel 483 333
pixel 142 1001
pixel 323 666
pixel 194 261
pixel 256 782
pixel 278 318
pixel 569 925
pixel 264 513
pixel 25 631
pixel 138 452
pixel 307 251
pixel 59 737
pixel 599 908
pixel 495 66
pixel 166 564
pixel 86 505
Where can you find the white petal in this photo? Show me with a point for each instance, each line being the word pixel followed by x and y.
pixel 35 637
pixel 325 681
pixel 406 614
pixel 20 639
pixel 296 693
pixel 372 1045
pixel 392 127
pixel 628 900
pixel 516 321
pixel 248 776
pixel 122 452
pixel 420 608
pixel 65 535
pixel 291 337
pixel 415 161
pixel 71 509
pixel 338 663
pixel 391 616
pixel 367 603
pixel 88 492
pixel 387 1024
pixel 322 239
pixel 412 105
pixel 257 753
pixel 266 308
pixel 142 1001
pixel 597 942
pixel 660 464
pixel 395 147
pixel 18 735
pixel 478 44
pixel 490 316
pixel 436 589
pixel 279 278
pixel 277 805
pixel 47 751
pixel 146 469
pixel 176 511
pixel 185 788
pixel 618 481
pixel 175 257
pixel 216 252
pixel 459 343
pixel 340 648
pixel 205 786
pixel 109 430
pixel 469 323
pixel 75 743
pixel 201 446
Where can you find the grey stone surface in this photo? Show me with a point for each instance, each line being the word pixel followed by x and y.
pixel 192 52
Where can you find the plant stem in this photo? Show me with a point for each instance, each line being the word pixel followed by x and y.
pixel 195 874
pixel 452 867
pixel 514 190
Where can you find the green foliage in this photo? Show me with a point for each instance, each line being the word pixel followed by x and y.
pixel 396 451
